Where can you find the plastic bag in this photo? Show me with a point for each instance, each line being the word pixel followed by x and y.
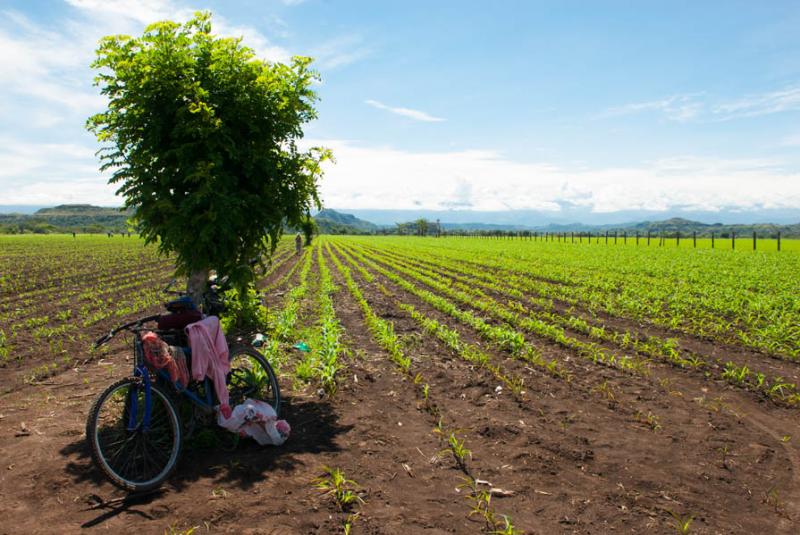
pixel 256 419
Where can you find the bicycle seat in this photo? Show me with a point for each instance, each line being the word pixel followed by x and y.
pixel 178 320
pixel 181 304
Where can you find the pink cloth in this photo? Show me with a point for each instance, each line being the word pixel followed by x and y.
pixel 210 357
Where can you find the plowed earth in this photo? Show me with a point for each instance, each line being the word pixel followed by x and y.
pixel 575 456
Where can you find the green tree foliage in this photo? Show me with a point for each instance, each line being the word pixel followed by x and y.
pixel 201 138
pixel 422 227
pixel 309 228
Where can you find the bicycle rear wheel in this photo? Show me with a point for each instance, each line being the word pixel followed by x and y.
pixel 252 377
pixel 133 458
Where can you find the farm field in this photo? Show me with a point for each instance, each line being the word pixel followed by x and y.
pixel 461 385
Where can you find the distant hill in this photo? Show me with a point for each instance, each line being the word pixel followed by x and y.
pixel 669 227
pixel 333 222
pixel 482 226
pixel 571 216
pixel 86 218
pixel 687 227
pixel 81 210
pixel 83 218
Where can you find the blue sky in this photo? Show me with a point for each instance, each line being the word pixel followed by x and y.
pixel 605 106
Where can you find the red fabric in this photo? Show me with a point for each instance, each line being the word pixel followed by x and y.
pixel 179 320
pixel 157 354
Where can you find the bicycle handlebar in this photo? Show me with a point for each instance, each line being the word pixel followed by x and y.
pixel 106 337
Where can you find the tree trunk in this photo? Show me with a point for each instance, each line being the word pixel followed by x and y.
pixel 196 286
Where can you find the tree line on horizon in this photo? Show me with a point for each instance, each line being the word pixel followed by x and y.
pixel 87 219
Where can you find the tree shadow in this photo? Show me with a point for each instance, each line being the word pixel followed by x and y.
pixel 314 425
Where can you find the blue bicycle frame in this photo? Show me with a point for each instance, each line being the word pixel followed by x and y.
pixel 140 370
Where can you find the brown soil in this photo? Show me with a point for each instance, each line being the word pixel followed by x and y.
pixel 701 423
pixel 576 460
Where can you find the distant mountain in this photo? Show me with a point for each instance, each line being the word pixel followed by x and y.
pixel 89 218
pixel 67 218
pixel 482 226
pixel 687 227
pixel 333 222
pixel 81 210
pixel 576 217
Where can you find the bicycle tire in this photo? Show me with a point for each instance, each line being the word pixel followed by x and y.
pixel 245 381
pixel 136 461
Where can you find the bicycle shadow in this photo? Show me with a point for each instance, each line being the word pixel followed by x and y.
pixel 315 426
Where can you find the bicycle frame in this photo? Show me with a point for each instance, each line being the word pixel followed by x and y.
pixel 140 370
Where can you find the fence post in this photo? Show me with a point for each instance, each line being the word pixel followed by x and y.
pixel 712 239
pixel 637 237
pixel 779 241
pixel 733 241
pixel 606 237
pixel 694 238
pixel 754 240
pixel 677 238
pixel 648 238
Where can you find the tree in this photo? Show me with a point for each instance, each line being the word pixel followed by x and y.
pixel 309 227
pixel 201 137
pixel 422 227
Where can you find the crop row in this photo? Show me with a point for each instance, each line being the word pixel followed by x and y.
pixel 554 327
pixel 322 362
pixel 504 337
pixel 753 301
pixel 383 333
pixel 473 354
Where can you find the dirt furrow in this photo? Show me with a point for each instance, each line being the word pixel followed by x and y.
pixel 678 461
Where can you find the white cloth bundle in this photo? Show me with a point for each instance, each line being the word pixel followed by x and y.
pixel 258 420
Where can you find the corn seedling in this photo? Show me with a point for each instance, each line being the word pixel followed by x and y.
pixel 459 451
pixel 682 524
pixel 342 490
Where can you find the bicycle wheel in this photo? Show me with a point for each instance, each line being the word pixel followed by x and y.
pixel 252 377
pixel 135 460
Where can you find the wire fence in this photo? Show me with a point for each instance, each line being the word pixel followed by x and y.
pixel 723 240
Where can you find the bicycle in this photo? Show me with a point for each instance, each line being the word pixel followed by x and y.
pixel 135 427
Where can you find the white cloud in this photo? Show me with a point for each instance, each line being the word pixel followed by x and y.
pixel 51 173
pixel 340 52
pixel 690 106
pixel 482 180
pixel 251 37
pixel 761 104
pixel 387 178
pixel 131 16
pixel 142 11
pixel 42 64
pixel 675 108
pixel 791 141
pixel 405 112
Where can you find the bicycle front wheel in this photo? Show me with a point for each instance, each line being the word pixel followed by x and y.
pixel 252 377
pixel 134 458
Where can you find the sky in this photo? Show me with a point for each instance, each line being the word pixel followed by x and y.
pixel 603 107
